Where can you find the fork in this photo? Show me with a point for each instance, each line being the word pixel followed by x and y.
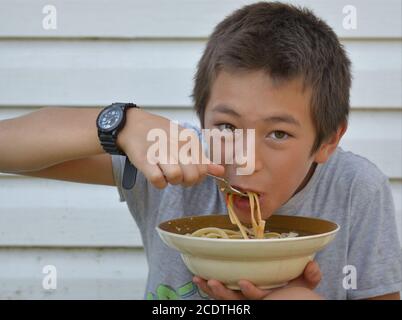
pixel 225 186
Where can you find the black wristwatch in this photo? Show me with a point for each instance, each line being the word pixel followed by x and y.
pixel 110 122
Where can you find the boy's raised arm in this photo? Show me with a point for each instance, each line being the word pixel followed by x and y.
pixel 47 137
pixel 63 143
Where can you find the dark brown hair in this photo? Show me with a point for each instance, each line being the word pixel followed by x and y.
pixel 286 42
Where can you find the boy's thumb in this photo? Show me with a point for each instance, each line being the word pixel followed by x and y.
pixel 312 274
pixel 216 169
pixel 213 168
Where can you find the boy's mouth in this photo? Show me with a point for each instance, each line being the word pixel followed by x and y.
pixel 242 203
pixel 243 189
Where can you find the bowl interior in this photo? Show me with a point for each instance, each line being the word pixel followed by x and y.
pixel 304 226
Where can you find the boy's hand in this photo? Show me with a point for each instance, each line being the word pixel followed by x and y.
pixel 133 141
pixel 215 289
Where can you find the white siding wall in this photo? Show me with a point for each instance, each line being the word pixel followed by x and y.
pixel 146 51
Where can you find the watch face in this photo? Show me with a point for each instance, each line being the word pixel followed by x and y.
pixel 110 119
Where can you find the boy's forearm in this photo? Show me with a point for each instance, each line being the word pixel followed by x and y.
pixel 47 137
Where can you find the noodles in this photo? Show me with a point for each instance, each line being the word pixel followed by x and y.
pixel 258 224
pixel 233 217
pixel 257 230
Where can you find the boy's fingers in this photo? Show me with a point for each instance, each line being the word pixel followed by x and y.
pixel 202 171
pixel 250 291
pixel 223 293
pixel 216 290
pixel 311 266
pixel 154 174
pixel 172 173
pixel 310 278
pixel 190 174
pixel 202 284
pixel 313 280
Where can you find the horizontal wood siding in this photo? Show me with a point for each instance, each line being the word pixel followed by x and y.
pixel 146 51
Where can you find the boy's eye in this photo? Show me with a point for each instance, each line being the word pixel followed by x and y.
pixel 226 126
pixel 278 135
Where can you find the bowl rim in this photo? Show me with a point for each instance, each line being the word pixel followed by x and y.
pixel 220 240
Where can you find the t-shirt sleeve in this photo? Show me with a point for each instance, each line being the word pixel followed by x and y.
pixel 374 248
pixel 118 167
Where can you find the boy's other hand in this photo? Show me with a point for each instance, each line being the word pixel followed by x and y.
pixel 310 278
pixel 133 140
pixel 299 288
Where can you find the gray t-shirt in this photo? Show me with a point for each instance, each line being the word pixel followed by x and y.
pixel 348 189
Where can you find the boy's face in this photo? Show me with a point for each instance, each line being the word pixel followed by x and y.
pixel 284 134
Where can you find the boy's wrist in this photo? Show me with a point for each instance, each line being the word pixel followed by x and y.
pixel 131 114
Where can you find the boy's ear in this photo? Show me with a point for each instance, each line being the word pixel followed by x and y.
pixel 328 147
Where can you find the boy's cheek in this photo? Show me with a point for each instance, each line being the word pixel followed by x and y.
pixel 272 202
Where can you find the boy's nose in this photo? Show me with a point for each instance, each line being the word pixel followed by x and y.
pixel 251 163
pixel 258 163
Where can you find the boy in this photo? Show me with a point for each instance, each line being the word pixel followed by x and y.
pixel 270 67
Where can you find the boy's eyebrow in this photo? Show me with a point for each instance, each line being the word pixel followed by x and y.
pixel 287 118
